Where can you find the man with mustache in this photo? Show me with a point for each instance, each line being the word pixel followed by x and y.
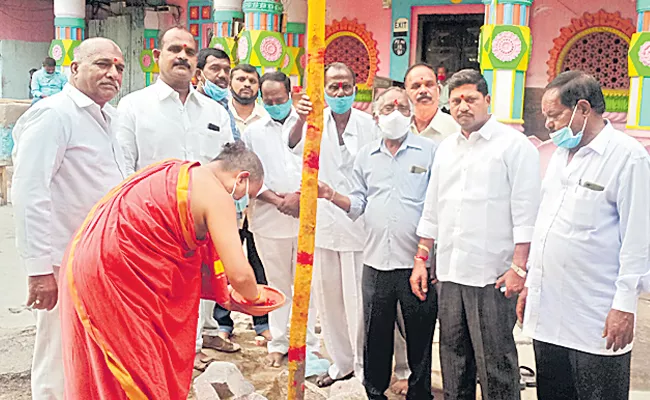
pixel 170 119
pixel 480 209
pixel 423 90
pixel 66 158
pixel 213 74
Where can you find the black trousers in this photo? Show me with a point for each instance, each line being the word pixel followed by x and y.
pixel 220 314
pixel 567 374
pixel 382 291
pixel 476 338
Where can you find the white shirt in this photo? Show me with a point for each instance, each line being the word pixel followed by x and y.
pixel 441 126
pixel 65 160
pixel 482 199
pixel 334 229
pixel 590 248
pixel 282 174
pixel 154 125
pixel 242 123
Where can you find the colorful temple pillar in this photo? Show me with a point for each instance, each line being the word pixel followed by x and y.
pixel 261 44
pixel 149 43
pixel 638 116
pixel 504 54
pixel 69 31
pixel 225 13
pixel 294 37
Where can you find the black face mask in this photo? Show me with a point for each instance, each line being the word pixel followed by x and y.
pixel 243 100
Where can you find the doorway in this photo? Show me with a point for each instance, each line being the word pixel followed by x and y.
pixel 451 40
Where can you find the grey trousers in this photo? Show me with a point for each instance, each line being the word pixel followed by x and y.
pixel 476 338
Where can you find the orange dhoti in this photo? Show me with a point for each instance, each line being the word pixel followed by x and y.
pixel 130 288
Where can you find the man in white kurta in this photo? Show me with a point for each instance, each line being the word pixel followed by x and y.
pixel 480 210
pixel 66 158
pixel 273 215
pixel 170 119
pixel 589 249
pixel 338 257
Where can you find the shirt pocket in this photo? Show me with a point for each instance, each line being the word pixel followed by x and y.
pixel 210 143
pixel 413 186
pixel 584 205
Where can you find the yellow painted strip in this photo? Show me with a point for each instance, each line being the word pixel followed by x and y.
pixel 218 267
pixel 182 198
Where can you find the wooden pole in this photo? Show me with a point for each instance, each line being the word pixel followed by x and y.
pixel 308 199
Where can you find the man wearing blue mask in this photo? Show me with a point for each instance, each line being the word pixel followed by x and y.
pixel 273 215
pixel 338 258
pixel 589 250
pixel 213 75
pixel 47 81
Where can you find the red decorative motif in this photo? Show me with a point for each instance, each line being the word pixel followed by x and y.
pixel 353 45
pixel 194 12
pixel 194 29
pixel 602 55
pixel 271 48
pixel 205 12
pixel 601 19
pixel 304 258
pixel 311 159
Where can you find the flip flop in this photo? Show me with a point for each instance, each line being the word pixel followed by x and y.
pixel 527 377
pixel 324 380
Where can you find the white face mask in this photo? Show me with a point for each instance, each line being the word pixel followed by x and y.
pixel 394 125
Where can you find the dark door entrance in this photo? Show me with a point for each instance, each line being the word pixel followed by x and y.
pixel 449 39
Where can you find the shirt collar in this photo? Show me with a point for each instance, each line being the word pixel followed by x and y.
pixel 293 115
pixel 350 128
pixel 485 131
pixel 80 99
pixel 600 142
pixel 258 111
pixel 164 90
pixel 409 142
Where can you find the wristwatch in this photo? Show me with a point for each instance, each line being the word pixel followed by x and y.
pixel 518 270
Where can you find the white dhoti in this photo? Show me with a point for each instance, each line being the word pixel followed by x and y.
pixel 47 365
pixel 279 259
pixel 337 291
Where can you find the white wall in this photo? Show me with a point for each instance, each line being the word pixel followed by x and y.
pixel 16 59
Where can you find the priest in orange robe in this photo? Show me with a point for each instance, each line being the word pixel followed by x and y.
pixel 131 278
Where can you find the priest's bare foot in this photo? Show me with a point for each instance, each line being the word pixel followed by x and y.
pixel 400 387
pixel 275 359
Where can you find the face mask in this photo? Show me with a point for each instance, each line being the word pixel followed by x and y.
pixel 243 100
pixel 279 111
pixel 214 91
pixel 240 204
pixel 564 137
pixel 394 125
pixel 339 105
pixel 441 77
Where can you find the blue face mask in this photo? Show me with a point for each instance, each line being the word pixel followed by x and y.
pixel 565 137
pixel 242 203
pixel 214 91
pixel 339 105
pixel 279 111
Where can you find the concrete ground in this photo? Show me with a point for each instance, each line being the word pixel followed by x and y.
pixel 17 332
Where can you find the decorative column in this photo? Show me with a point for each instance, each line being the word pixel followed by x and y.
pixel 638 116
pixel 295 60
pixel 224 14
pixel 147 63
pixel 504 55
pixel 261 44
pixel 69 31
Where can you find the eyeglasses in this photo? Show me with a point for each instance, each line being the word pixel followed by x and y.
pixel 389 108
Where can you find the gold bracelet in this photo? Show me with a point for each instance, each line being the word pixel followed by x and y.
pixel 423 247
